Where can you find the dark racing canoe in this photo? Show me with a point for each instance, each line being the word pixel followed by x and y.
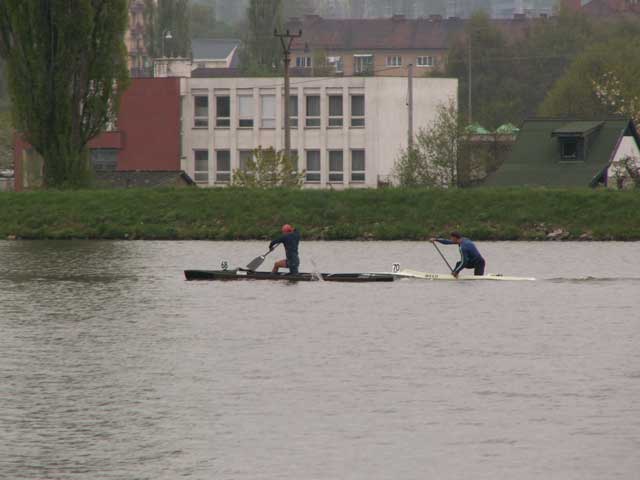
pixel 298 277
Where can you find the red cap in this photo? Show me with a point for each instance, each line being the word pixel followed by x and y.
pixel 286 228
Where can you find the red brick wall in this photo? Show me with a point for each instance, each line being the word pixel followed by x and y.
pixel 149 121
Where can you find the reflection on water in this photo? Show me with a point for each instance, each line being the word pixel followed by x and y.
pixel 112 366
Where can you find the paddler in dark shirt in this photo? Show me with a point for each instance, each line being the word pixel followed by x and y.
pixel 469 255
pixel 290 238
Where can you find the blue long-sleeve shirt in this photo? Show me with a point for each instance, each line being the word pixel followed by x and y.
pixel 469 254
pixel 290 242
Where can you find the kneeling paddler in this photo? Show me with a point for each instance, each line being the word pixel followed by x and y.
pixel 290 238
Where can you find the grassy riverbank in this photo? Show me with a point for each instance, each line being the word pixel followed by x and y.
pixel 387 214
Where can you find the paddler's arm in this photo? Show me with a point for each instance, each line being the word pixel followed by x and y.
pixel 443 241
pixel 275 242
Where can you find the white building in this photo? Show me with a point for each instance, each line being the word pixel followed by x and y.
pixel 346 131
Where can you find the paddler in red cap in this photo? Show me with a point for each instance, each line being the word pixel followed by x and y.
pixel 290 238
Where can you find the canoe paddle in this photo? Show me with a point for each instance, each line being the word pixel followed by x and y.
pixel 256 262
pixel 443 257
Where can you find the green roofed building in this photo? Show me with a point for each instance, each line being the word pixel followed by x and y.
pixel 571 153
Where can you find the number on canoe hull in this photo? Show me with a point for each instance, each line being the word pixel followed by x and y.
pixel 395 268
pixel 224 265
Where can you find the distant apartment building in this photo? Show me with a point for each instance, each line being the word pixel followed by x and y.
pixel 346 131
pixel 139 60
pixel 382 46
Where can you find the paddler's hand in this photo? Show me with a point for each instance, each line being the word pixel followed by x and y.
pixel 432 240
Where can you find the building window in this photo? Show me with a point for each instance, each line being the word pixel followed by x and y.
pixel 424 61
pixel 245 111
pixel 245 157
pixel 336 166
pixel 357 111
pixel 313 166
pixel 268 111
pixel 394 61
pixel 357 166
pixel 303 62
pixel 569 149
pixel 223 112
pixel 104 159
pixel 293 111
pixel 313 111
pixel 223 166
pixel 335 110
pixel 336 62
pixel 363 64
pixel 201 111
pixel 201 168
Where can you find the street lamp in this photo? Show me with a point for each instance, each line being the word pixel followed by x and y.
pixel 166 35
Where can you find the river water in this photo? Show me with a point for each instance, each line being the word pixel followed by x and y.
pixel 113 367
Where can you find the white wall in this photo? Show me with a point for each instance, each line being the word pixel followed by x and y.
pixel 628 148
pixel 383 137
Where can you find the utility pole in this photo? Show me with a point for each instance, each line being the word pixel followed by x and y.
pixel 286 39
pixel 410 109
pixel 469 79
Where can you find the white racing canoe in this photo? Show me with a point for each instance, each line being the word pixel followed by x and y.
pixel 447 276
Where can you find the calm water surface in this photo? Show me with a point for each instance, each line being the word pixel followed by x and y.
pixel 113 367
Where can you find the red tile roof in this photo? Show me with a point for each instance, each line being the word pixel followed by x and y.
pixel 397 33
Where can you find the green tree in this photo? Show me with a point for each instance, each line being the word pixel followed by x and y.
pixel 162 18
pixel 204 23
pixel 268 169
pixel 299 8
pixel 67 68
pixel 434 159
pixel 261 53
pixel 604 72
pixel 493 101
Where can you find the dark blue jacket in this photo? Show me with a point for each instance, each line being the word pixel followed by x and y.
pixel 469 254
pixel 290 242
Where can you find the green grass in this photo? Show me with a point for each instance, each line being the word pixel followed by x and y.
pixel 385 214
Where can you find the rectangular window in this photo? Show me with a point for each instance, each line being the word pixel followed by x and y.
pixel 245 111
pixel 313 111
pixel 303 62
pixel 201 111
pixel 104 159
pixel 336 166
pixel 424 61
pixel 357 110
pixel 335 110
pixel 569 150
pixel 313 166
pixel 244 157
pixel 336 62
pixel 268 111
pixel 357 166
pixel 363 64
pixel 293 111
pixel 223 166
pixel 223 112
pixel 201 167
pixel 394 61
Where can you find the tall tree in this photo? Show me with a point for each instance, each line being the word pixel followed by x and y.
pixel 67 67
pixel 261 54
pixel 167 28
pixel 299 8
pixel 491 84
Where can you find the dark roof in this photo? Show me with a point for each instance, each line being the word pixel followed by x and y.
pixel 576 129
pixel 213 48
pixel 535 158
pixel 396 33
pixel 142 178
